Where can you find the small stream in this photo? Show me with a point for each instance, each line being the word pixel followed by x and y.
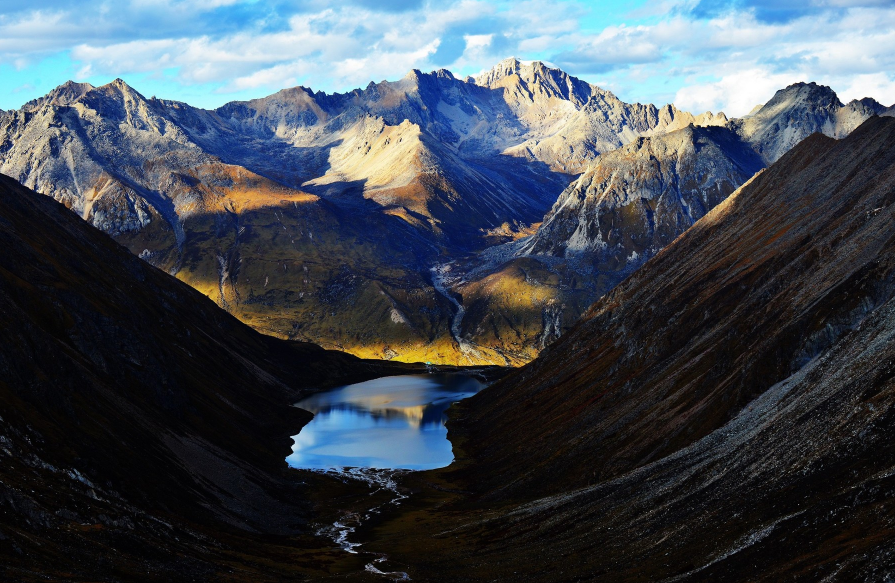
pixel 439 280
pixel 339 531
pixel 375 432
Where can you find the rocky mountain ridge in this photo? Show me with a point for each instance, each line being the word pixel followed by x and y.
pixel 798 111
pixel 287 209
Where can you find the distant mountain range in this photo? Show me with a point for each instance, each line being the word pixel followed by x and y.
pixel 396 221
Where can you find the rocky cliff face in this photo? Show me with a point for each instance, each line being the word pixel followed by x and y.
pixel 725 413
pixel 635 200
pixel 569 122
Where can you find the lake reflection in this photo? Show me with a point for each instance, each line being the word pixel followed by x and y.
pixel 390 422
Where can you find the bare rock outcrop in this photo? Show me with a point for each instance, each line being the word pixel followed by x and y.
pixel 635 200
pixel 796 112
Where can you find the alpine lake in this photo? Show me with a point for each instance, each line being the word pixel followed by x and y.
pixel 392 422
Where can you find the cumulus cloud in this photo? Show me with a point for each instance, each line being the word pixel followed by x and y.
pixel 282 43
pixel 734 58
pixel 615 46
pixel 703 54
pixel 736 93
pixel 880 86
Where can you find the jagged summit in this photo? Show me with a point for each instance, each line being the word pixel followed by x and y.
pixel 505 68
pixel 72 92
pixel 513 66
pixel 444 73
pixel 121 84
pixel 535 77
pixel 65 94
pixel 821 96
pixel 116 90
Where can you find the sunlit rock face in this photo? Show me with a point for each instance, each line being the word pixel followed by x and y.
pixel 570 122
pixel 637 199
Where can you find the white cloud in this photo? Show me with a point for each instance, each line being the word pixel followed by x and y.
pixel 734 61
pixel 662 51
pixel 880 86
pixel 734 94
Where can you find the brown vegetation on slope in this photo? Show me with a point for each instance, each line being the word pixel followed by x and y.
pixel 754 290
pixel 725 414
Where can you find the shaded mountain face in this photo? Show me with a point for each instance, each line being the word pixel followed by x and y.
pixel 140 423
pixel 723 414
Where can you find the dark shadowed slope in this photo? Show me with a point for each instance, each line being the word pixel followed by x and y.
pixel 752 292
pixel 724 414
pixel 135 412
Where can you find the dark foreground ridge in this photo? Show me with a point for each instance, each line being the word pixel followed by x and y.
pixel 143 430
pixel 725 414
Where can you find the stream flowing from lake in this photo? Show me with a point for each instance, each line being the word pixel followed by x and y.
pixel 374 432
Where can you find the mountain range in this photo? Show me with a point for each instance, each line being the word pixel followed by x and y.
pixel 400 220
pixel 722 411
pixel 722 414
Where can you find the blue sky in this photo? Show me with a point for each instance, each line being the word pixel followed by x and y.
pixel 700 54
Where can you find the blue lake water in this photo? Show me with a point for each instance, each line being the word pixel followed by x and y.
pixel 387 423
